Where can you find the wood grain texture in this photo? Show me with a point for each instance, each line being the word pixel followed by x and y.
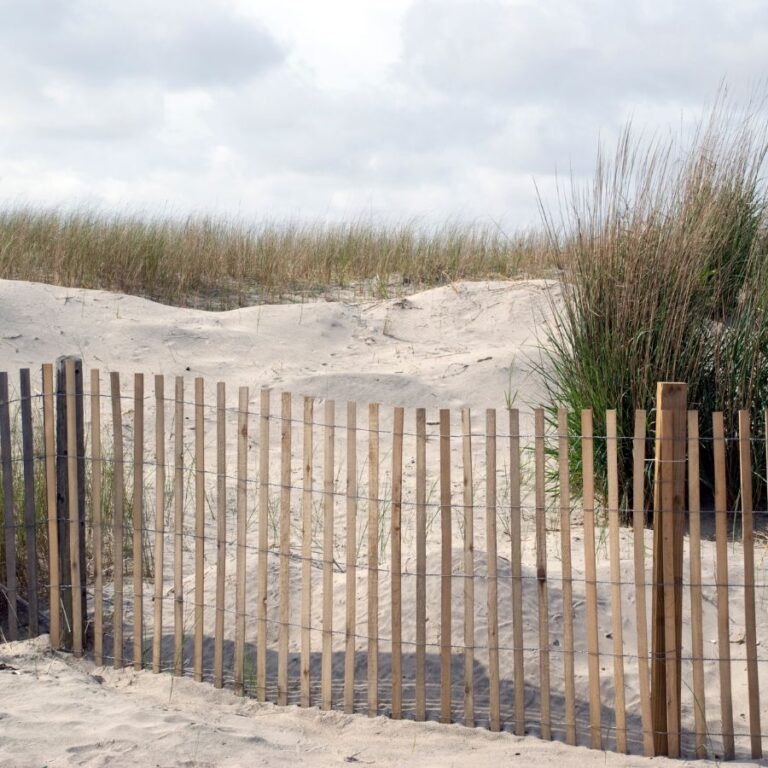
pixel 263 553
pixel 118 521
pixel 9 507
pixel 492 606
pixel 74 510
pixel 641 612
pixel 373 559
pixel 446 566
pixel 240 538
pixel 221 533
pixel 564 481
pixel 284 579
pixel 49 421
pixel 97 522
pixel 326 673
pixel 541 575
pixel 30 522
pixel 469 569
pixel 137 546
pixel 590 577
pixel 396 564
pixel 668 528
pixel 199 525
pixel 306 555
pixel 178 528
pixel 351 561
pixel 157 629
pixel 721 579
pixel 697 633
pixel 748 544
pixel 515 527
pixel 620 706
pixel 421 563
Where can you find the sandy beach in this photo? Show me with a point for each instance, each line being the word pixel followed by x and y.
pixel 462 345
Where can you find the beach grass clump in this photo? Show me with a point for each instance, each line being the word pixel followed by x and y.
pixel 666 279
pixel 221 264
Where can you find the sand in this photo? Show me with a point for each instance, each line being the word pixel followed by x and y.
pixel 58 712
pixel 469 344
pixel 438 348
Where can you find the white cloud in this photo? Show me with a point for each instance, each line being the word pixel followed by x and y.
pixel 433 109
pixel 177 44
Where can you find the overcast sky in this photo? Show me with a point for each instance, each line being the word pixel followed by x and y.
pixel 396 109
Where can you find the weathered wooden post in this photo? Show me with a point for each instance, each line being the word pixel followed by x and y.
pixel 9 511
pixel 668 530
pixel 62 491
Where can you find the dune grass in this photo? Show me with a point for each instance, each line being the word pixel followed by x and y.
pixel 220 264
pixel 666 279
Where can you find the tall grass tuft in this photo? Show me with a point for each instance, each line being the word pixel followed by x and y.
pixel 220 264
pixel 666 279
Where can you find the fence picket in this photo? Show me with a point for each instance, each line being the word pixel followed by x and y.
pixel 620 707
pixel 721 579
pixel 373 559
pixel 541 575
pixel 74 511
pixel 9 509
pixel 445 566
pixel 351 561
pixel 515 528
pixel 469 570
pixel 494 701
pixel 49 421
pixel 178 529
pixel 157 637
pixel 138 520
pixel 199 525
pixel 284 582
pixel 396 564
pixel 240 524
pixel 641 613
pixel 97 520
pixel 261 581
pixel 118 501
pixel 326 675
pixel 567 580
pixel 221 532
pixel 30 524
pixel 590 577
pixel 665 434
pixel 421 563
pixel 306 555
pixel 694 541
pixel 748 543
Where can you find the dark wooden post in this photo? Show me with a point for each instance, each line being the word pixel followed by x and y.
pixel 668 530
pixel 9 512
pixel 30 522
pixel 62 491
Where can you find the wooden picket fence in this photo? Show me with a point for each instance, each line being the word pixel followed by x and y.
pixel 354 616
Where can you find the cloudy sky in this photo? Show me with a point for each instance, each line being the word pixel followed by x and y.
pixel 395 109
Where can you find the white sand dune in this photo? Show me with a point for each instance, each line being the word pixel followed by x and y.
pixel 469 344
